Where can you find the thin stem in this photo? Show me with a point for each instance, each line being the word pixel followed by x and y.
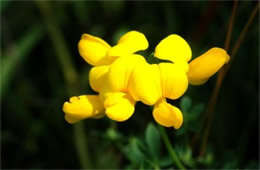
pixel 242 36
pixel 230 25
pixel 58 42
pixel 170 148
pixel 81 145
pixel 221 75
pixel 70 75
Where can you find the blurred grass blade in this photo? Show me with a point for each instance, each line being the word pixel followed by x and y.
pixel 17 54
pixel 70 74
pixel 59 44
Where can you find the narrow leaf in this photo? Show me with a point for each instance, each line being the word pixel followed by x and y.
pixel 152 138
pixel 185 103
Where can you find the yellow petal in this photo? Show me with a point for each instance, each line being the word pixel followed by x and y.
pixel 120 72
pixel 129 43
pixel 113 98
pixel 93 50
pixel 174 48
pixel 167 115
pixel 83 107
pixel 96 76
pixel 204 66
pixel 174 80
pixel 145 84
pixel 119 106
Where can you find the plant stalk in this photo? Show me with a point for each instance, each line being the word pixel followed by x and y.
pixel 170 148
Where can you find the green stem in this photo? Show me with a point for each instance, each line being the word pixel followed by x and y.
pixel 230 25
pixel 81 145
pixel 58 42
pixel 170 148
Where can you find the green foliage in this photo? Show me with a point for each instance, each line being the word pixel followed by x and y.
pixel 152 139
pixel 191 116
pixel 144 154
pixel 185 104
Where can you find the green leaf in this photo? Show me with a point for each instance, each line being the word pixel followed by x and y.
pixel 185 154
pixel 183 130
pixel 113 135
pixel 185 103
pixel 166 161
pixel 206 160
pixel 196 111
pixel 152 138
pixel 133 151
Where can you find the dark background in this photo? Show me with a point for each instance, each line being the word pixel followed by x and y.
pixel 39 47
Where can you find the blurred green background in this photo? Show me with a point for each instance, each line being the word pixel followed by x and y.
pixel 41 68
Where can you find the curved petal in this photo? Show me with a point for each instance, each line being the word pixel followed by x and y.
pixel 175 49
pixel 173 79
pixel 167 115
pixel 204 66
pixel 113 98
pixel 93 50
pixel 129 43
pixel 120 72
pixel 96 76
pixel 119 106
pixel 145 83
pixel 83 107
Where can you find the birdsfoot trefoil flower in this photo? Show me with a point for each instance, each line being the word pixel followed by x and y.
pixel 122 78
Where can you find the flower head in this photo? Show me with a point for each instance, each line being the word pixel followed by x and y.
pixel 116 90
pixel 98 53
pixel 122 78
pixel 176 76
pixel 156 82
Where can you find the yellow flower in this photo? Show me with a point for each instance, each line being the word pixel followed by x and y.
pixel 121 78
pixel 116 90
pixel 97 52
pixel 174 48
pixel 167 115
pixel 82 107
pixel 154 83
pixel 131 78
pixel 206 65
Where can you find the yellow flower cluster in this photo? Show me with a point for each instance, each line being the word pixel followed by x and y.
pixel 122 77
